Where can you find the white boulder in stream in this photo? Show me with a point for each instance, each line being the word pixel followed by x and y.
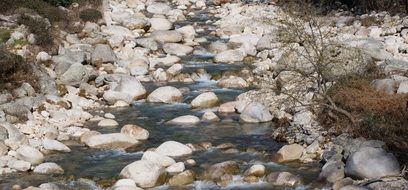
pixel 205 100
pixel 135 131
pixel 173 149
pixel 255 113
pixel 157 158
pixel 55 145
pixel 107 123
pixel 177 49
pixel 146 174
pixel 30 154
pixel 184 120
pixel 48 168
pixel 111 140
pixel 166 94
pixel 369 162
pixel 230 56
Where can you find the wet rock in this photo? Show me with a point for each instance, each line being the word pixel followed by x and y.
pixel 166 94
pixel 233 82
pixel 181 179
pixel 111 140
pixel 170 36
pixel 30 154
pixel 55 145
pixel 217 171
pixel 148 43
pixel 146 174
pixel 48 168
pixel 103 53
pixel 86 135
pixel 256 113
pixel 210 116
pixel 177 49
pixel 75 75
pixel 135 131
pixel 205 100
pixel 257 170
pixel 290 153
pixel 176 168
pixel 332 171
pixel 370 162
pixel 229 56
pixel 283 179
pixel 185 119
pixel 158 8
pixel 126 184
pixel 157 158
pixel 19 165
pixel 173 149
pixel 107 123
pixel 160 24
pixel 166 61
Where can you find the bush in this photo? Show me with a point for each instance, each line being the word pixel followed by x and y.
pixel 39 27
pixel 52 13
pixel 14 71
pixel 4 35
pixel 91 15
pixel 365 6
pixel 59 2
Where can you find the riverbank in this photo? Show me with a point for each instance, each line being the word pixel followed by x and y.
pixel 159 81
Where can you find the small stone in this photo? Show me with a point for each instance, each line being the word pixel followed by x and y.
pixel 186 119
pixel 107 123
pixel 290 153
pixel 210 116
pixel 257 170
pixel 135 131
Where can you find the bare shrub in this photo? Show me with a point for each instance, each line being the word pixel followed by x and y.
pixel 39 27
pixel 91 15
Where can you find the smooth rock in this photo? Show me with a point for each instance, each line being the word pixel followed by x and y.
pixel 19 165
pixel 183 178
pixel 177 49
pixel 256 113
pixel 332 171
pixel 173 149
pixel 233 82
pixel 185 119
pixel 210 116
pixel 135 131
pixel 166 94
pixel 368 162
pixel 30 154
pixel 283 179
pixel 75 75
pixel 160 24
pixel 205 100
pixel 55 145
pixel 176 168
pixel 103 53
pixel 146 174
pixel 257 170
pixel 170 36
pixel 290 153
pixel 229 56
pixel 107 123
pixel 157 158
pixel 48 168
pixel 111 140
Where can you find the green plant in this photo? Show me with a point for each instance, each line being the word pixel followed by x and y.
pixel 4 35
pixel 39 27
pixel 20 42
pixel 92 15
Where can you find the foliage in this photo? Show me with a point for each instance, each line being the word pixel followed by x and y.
pixel 14 71
pixel 59 2
pixel 52 13
pixel 92 15
pixel 4 35
pixel 39 27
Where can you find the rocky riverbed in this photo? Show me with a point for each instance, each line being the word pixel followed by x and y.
pixel 179 95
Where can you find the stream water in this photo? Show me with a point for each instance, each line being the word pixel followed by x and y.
pixel 252 140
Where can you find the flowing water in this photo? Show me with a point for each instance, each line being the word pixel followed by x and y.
pixel 253 141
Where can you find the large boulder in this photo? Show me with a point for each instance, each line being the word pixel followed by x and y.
pixel 217 171
pixel 159 8
pixel 75 75
pixel 170 36
pixel 48 168
pixel 146 174
pixel 229 56
pixel 30 154
pixel 166 94
pixel 184 120
pixel 157 158
pixel 177 49
pixel 290 153
pixel 135 131
pixel 332 171
pixel 369 162
pixel 233 82
pixel 255 113
pixel 70 57
pixel 103 53
pixel 173 149
pixel 111 140
pixel 132 86
pixel 183 178
pixel 160 24
pixel 55 145
pixel 205 100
